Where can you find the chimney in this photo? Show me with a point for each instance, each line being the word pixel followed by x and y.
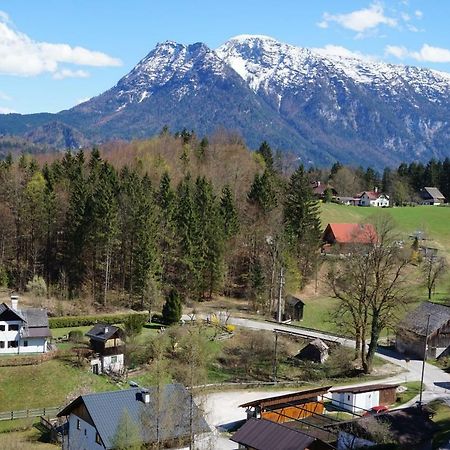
pixel 14 302
pixel 375 189
pixel 106 330
pixel 145 395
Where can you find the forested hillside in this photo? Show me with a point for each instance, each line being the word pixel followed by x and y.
pixel 131 221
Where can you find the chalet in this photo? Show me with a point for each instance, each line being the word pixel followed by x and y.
pixel 359 399
pixel 373 198
pixel 412 332
pixel 165 415
pixel 343 237
pixel 319 190
pixel 106 341
pixel 293 307
pixel 431 196
pixel 266 435
pixel 315 351
pixel 408 428
pixel 23 330
pixel 288 407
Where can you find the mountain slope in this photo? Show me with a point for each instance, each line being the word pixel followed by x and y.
pixel 347 105
pixel 322 107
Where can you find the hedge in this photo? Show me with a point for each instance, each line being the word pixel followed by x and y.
pixel 80 321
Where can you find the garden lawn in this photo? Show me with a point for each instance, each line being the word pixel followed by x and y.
pixel 442 420
pixel 46 384
pixel 316 314
pixel 413 389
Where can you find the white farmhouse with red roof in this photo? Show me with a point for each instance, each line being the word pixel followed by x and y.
pixel 373 198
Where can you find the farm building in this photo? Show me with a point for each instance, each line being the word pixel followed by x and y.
pixel 106 341
pixel 266 435
pixel 293 307
pixel 166 415
pixel 431 196
pixel 373 198
pixel 319 190
pixel 412 331
pixel 315 351
pixel 344 237
pixel 359 399
pixel 288 407
pixel 23 330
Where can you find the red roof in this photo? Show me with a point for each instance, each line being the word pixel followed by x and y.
pixel 352 233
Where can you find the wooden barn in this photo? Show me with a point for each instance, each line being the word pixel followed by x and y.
pixel 315 351
pixel 288 407
pixel 293 308
pixel 346 237
pixel 412 331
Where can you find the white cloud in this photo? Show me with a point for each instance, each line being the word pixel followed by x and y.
pixel 4 96
pixel 418 13
pixel 20 55
pixel 360 20
pixel 337 50
pixel 427 53
pixel 68 73
pixel 5 110
pixel 397 51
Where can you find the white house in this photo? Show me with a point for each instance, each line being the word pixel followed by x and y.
pixel 166 414
pixel 359 399
pixel 23 330
pixel 108 345
pixel 374 198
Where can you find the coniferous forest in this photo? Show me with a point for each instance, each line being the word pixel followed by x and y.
pixel 132 221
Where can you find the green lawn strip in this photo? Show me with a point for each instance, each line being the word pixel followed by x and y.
pixel 442 419
pixel 7 426
pixel 413 389
pixel 29 439
pixel 46 384
pixel 60 332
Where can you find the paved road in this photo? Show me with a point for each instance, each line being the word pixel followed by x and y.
pixel 224 406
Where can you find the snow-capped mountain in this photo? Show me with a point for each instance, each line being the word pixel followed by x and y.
pixel 321 105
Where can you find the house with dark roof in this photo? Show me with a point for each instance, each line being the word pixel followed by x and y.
pixel 320 190
pixel 428 323
pixel 346 237
pixel 166 415
pixel 359 399
pixel 405 429
pixel 431 196
pixel 267 435
pixel 23 330
pixel 108 346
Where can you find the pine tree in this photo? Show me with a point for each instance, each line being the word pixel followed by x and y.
pixel 229 214
pixel 266 152
pixel 172 308
pixel 127 435
pixel 262 192
pixel 302 222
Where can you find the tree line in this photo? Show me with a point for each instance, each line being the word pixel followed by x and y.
pixel 168 215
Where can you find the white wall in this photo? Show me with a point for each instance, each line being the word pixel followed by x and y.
pixel 84 438
pixel 35 345
pixel 108 365
pixel 356 403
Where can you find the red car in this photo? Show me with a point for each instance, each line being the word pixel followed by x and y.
pixel 376 410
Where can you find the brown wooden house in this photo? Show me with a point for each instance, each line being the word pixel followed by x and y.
pixel 293 308
pixel 412 331
pixel 288 407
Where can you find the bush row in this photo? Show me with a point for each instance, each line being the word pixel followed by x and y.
pixel 79 321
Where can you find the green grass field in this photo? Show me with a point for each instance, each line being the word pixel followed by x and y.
pixel 46 384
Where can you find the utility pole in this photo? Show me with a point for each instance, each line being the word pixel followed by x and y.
pixel 280 296
pixel 275 359
pixel 423 362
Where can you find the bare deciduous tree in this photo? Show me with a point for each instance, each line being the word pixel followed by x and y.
pixel 433 268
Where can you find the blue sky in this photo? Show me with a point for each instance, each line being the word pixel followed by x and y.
pixel 56 53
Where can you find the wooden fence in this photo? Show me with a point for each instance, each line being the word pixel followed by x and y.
pixel 50 411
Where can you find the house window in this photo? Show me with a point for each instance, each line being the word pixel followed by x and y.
pixel 14 327
pixel 113 359
pixel 97 439
pixel 78 424
pixel 85 432
pixel 25 343
pixel 348 397
pixel 2 327
pixel 12 344
pixel 2 344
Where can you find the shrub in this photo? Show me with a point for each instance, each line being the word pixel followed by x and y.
pixel 76 336
pixel 172 308
pixel 133 324
pixel 80 321
pixel 37 286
